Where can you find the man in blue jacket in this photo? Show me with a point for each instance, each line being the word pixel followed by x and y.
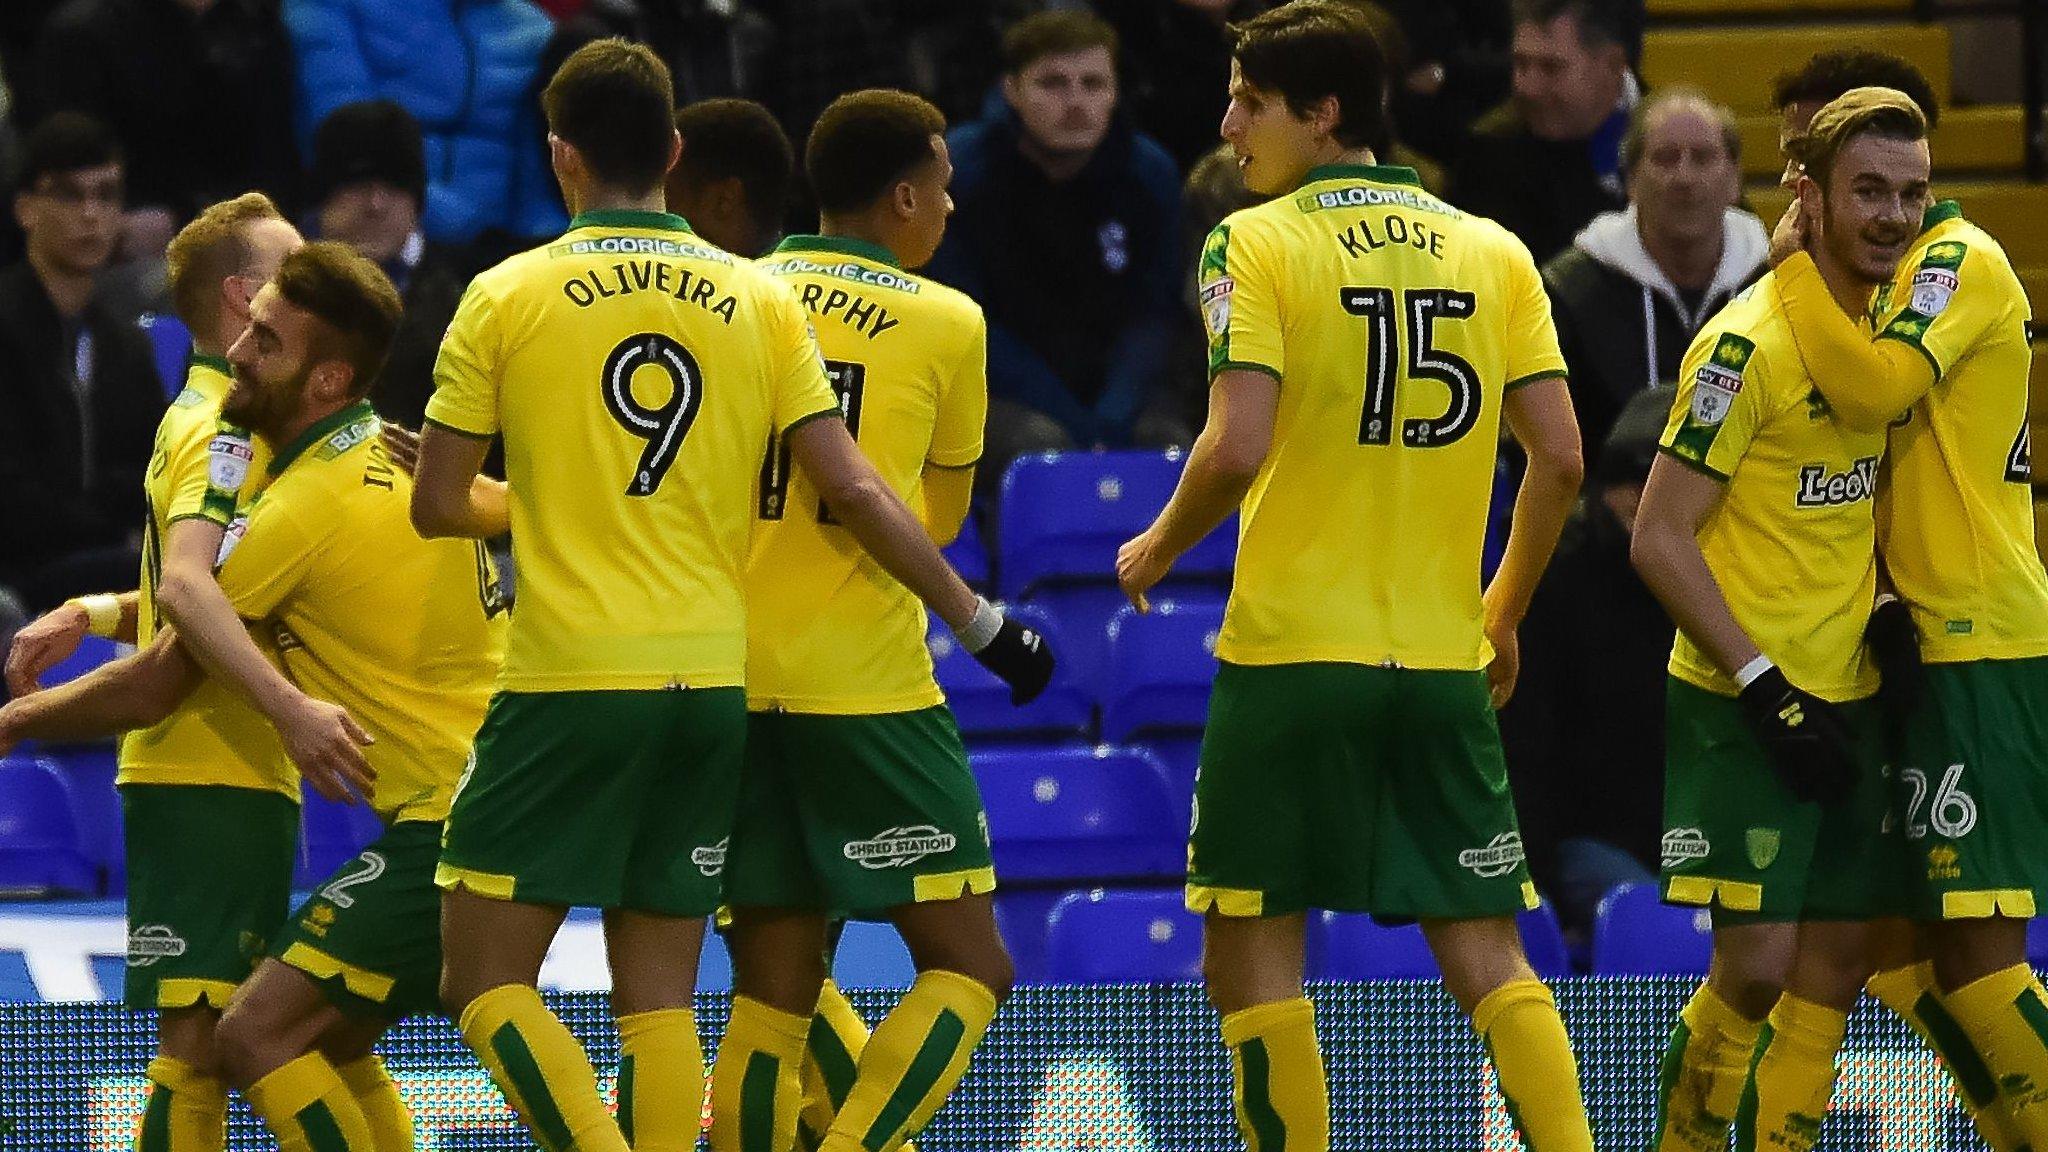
pixel 1066 231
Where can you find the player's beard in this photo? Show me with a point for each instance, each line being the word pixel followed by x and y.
pixel 1871 251
pixel 264 406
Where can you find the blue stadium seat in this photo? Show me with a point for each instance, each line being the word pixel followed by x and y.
pixel 2037 942
pixel 1356 948
pixel 1021 913
pixel 1080 814
pixel 969 555
pixel 40 853
pixel 1635 934
pixel 92 652
pixel 1123 937
pixel 330 833
pixel 1161 666
pixel 88 771
pixel 1543 941
pixel 170 342
pixel 981 702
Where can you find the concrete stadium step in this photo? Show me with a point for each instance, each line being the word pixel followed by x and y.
pixel 1987 138
pixel 1739 9
pixel 1737 64
pixel 2014 212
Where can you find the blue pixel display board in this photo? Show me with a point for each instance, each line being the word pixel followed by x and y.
pixel 1136 1068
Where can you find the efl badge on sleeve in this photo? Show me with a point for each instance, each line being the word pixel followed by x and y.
pixel 1932 290
pixel 1216 304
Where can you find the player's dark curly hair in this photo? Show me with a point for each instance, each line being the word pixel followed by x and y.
pixel 1312 49
pixel 730 138
pixel 866 141
pixel 1829 74
pixel 612 100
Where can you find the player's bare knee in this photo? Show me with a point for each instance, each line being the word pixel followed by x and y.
pixel 239 1046
pixel 1966 951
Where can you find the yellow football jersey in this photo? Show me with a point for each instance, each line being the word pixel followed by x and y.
pixel 1956 518
pixel 407 634
pixel 1395 324
pixel 634 374
pixel 829 631
pixel 1793 540
pixel 213 737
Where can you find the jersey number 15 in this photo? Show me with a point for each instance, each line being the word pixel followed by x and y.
pixel 1422 307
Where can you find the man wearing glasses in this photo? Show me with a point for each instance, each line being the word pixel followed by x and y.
pixel 78 388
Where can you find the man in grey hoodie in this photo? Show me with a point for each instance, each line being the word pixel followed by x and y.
pixel 1637 284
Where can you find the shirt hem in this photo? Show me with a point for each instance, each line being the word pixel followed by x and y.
pixel 1433 663
pixel 620 681
pixel 845 706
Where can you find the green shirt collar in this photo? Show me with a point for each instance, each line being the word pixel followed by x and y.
pixel 630 218
pixel 216 363
pixel 360 410
pixel 844 245
pixel 1941 212
pixel 1378 173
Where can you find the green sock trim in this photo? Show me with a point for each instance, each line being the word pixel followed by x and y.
pixel 155 1134
pixel 1269 1132
pixel 1667 1078
pixel 835 1063
pixel 947 1031
pixel 1745 1113
pixel 2033 1012
pixel 626 1098
pixel 323 1133
pixel 524 1072
pixel 757 1103
pixel 1965 1064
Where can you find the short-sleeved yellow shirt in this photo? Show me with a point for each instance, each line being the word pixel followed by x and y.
pixel 1396 325
pixel 1793 540
pixel 828 630
pixel 1956 518
pixel 634 374
pixel 407 634
pixel 213 737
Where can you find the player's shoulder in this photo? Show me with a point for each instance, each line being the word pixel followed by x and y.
pixel 1956 255
pixel 1747 335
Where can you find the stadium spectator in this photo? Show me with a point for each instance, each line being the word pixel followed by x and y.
pixel 80 390
pixel 1067 232
pixel 1457 69
pixel 466 71
pixel 1586 753
pixel 1549 159
pixel 1638 283
pixel 158 72
pixel 1177 67
pixel 732 181
pixel 368 186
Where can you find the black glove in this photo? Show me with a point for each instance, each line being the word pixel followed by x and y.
pixel 1811 750
pixel 1895 645
pixel 1017 655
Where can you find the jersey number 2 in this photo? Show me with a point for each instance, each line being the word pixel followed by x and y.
pixel 1422 307
pixel 663 428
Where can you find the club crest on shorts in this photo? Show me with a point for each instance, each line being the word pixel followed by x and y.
pixel 898 847
pixel 1762 844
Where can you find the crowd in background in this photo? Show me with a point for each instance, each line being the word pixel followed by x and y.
pixel 1084 142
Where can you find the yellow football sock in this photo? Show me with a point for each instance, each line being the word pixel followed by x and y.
pixel 1706 1066
pixel 757 1083
pixel 1792 1078
pixel 543 1072
pixel 187 1111
pixel 1911 994
pixel 309 1109
pixel 661 1080
pixel 1276 1077
pixel 1533 1058
pixel 2006 1016
pixel 912 1063
pixel 390 1120
pixel 832 1048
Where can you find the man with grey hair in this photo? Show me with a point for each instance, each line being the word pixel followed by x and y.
pixel 1637 284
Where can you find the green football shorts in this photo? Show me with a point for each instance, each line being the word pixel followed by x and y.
pixel 620 799
pixel 1355 788
pixel 857 814
pixel 209 882
pixel 1974 790
pixel 1736 842
pixel 370 935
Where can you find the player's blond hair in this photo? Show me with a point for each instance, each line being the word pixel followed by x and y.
pixel 1885 112
pixel 213 247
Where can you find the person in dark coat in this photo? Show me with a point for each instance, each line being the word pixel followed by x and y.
pixel 1631 291
pixel 79 390
pixel 1584 732
pixel 1549 160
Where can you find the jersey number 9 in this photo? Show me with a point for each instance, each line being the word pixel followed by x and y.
pixel 664 427
pixel 1423 308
